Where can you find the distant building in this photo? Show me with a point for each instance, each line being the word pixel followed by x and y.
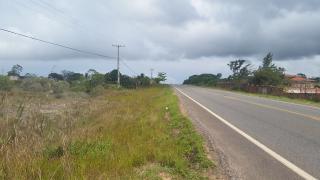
pixel 14 78
pixel 299 84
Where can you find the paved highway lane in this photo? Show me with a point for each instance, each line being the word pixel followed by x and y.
pixel 290 130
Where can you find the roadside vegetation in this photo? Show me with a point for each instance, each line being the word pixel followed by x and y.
pixel 77 82
pixel 74 126
pixel 282 98
pixel 267 76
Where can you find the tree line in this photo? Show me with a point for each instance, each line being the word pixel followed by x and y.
pixel 76 81
pixel 267 74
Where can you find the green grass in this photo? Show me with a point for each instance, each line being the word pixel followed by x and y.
pixel 281 98
pixel 290 100
pixel 278 98
pixel 124 134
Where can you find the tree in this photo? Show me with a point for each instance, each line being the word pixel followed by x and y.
pixel 204 79
pixel 97 79
pixel 267 61
pixel 241 72
pixel 29 75
pixel 268 73
pixel 16 70
pixel 5 83
pixel 142 80
pixel 90 73
pixel 302 75
pixel 317 79
pixel 128 82
pixel 56 76
pixel 240 69
pixel 112 77
pixel 162 77
pixel 219 75
pixel 70 76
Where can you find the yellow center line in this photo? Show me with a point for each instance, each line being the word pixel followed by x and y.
pixel 317 118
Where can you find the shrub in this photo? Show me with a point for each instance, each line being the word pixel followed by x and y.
pixel 53 152
pixel 5 83
pixel 97 90
pixel 59 87
pixel 36 84
pixel 96 149
pixel 78 86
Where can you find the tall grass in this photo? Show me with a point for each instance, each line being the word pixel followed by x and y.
pixel 121 134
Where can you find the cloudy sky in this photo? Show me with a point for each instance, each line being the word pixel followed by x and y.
pixel 180 37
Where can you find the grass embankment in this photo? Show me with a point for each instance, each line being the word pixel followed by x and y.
pixel 279 98
pixel 286 99
pixel 122 134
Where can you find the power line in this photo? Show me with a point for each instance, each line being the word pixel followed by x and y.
pixel 56 44
pixel 57 15
pixel 74 49
pixel 67 19
pixel 128 67
pixel 46 13
pixel 78 50
pixel 50 6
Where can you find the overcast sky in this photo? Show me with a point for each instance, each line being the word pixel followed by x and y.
pixel 180 37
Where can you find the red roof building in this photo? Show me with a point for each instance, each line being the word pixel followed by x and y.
pixel 299 84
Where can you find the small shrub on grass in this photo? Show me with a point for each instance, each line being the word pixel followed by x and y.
pixel 53 152
pixel 98 90
pixel 59 87
pixel 78 86
pixel 35 84
pixel 83 149
pixel 5 83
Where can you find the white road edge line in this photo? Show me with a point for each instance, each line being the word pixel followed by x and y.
pixel 275 155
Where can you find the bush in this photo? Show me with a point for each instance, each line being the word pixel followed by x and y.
pixel 97 90
pixel 53 152
pixel 83 149
pixel 78 86
pixel 5 83
pixel 59 87
pixel 36 84
pixel 203 79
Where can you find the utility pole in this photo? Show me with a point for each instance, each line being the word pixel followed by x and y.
pixel 151 75
pixel 118 62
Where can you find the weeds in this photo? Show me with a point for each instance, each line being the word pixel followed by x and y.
pixel 121 134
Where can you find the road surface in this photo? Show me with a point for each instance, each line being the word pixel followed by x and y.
pixel 261 138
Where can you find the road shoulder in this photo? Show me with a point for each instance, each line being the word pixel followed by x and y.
pixel 222 168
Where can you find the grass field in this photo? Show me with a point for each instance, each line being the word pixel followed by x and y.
pixel 121 134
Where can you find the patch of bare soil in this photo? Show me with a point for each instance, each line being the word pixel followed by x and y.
pixel 165 176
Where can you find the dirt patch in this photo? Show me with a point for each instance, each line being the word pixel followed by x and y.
pixel 165 176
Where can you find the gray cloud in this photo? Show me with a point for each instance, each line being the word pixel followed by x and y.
pixel 158 30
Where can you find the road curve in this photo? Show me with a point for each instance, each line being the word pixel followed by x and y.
pixel 291 131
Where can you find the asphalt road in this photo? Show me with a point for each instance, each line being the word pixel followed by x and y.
pixel 290 131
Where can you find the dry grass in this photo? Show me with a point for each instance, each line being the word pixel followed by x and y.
pixel 121 134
